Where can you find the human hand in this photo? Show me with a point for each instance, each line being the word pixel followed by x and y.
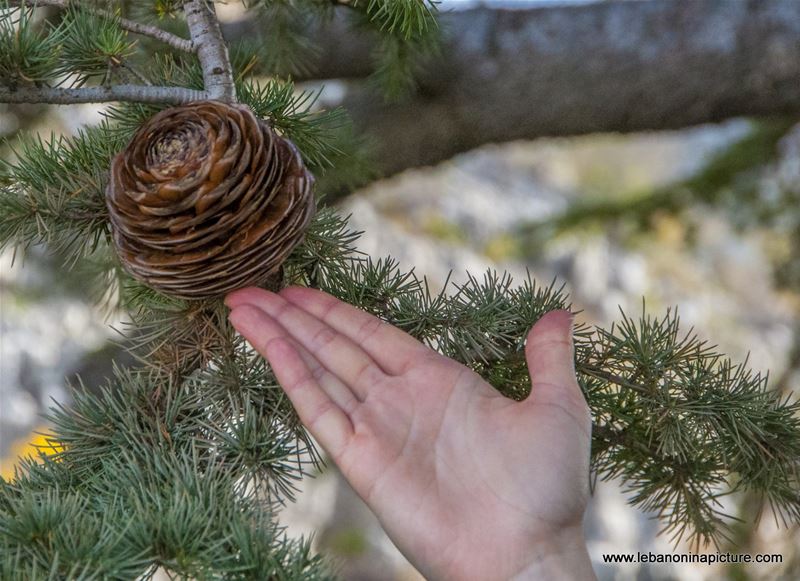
pixel 467 483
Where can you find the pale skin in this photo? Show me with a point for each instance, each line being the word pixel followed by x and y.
pixel 469 485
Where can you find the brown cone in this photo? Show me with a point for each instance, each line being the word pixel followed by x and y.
pixel 206 198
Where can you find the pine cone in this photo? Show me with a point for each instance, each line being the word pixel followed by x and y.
pixel 206 198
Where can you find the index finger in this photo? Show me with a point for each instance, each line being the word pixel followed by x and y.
pixel 394 350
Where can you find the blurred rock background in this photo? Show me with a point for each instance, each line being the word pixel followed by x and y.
pixel 726 263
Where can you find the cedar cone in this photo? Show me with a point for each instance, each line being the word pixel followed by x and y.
pixel 206 198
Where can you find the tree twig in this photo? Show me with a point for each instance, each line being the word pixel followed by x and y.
pixel 136 73
pixel 211 50
pixel 611 377
pixel 168 38
pixel 133 93
pixel 172 40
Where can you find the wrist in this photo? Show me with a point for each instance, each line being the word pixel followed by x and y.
pixel 563 556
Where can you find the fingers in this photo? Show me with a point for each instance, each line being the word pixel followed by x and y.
pixel 334 351
pixel 342 395
pixel 318 410
pixel 390 347
pixel 259 329
pixel 319 413
pixel 549 352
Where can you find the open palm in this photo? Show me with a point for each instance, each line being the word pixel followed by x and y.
pixel 467 483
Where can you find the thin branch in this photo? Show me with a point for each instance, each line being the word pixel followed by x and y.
pixel 211 50
pixel 136 73
pixel 132 93
pixel 598 373
pixel 168 38
pixel 172 40
pixel 620 438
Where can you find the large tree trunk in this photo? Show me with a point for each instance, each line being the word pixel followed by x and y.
pixel 613 66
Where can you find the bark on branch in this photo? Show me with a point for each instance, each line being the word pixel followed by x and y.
pixel 132 93
pixel 212 52
pixel 615 66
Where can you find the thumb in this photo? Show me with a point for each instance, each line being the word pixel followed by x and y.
pixel 550 355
